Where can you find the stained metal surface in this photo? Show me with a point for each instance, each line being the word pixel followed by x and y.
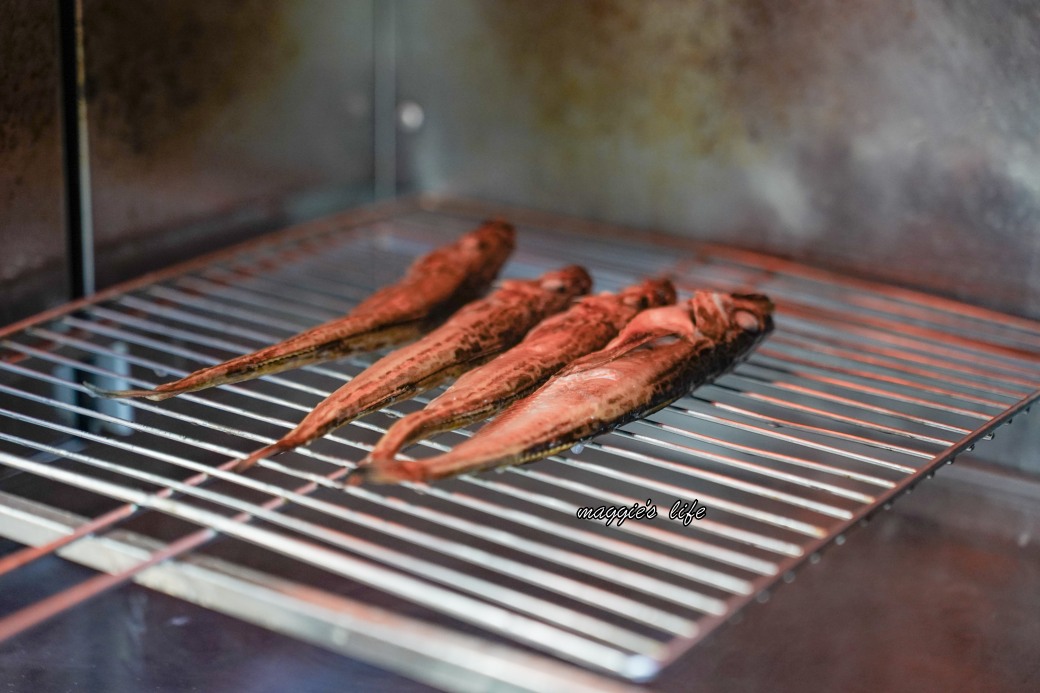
pixel 961 559
pixel 859 394
pixel 206 123
pixel 32 264
pixel 210 122
pixel 75 144
pixel 895 140
pixel 936 595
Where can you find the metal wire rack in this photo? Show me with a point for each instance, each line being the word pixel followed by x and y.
pixel 860 392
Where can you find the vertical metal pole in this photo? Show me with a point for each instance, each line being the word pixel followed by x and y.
pixel 384 96
pixel 79 228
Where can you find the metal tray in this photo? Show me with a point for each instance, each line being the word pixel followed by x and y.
pixel 862 391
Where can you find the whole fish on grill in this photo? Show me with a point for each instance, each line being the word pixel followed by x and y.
pixel 435 286
pixel 585 327
pixel 660 356
pixel 475 334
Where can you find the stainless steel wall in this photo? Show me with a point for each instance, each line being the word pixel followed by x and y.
pixel 897 140
pixel 212 120
pixel 208 122
pixel 32 239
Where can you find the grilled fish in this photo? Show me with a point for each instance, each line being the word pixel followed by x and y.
pixel 478 332
pixel 585 327
pixel 659 357
pixel 435 286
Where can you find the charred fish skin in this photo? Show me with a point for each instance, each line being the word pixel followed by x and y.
pixel 476 333
pixel 660 356
pixel 586 326
pixel 433 288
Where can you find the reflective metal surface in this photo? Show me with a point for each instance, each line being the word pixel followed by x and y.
pixel 960 560
pixel 861 392
pixel 895 140
pixel 937 595
pixel 210 122
pixel 32 238
pixel 206 123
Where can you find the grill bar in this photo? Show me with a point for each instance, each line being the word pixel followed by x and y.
pixel 545 611
pixel 532 632
pixel 34 614
pixel 681 596
pixel 890 359
pixel 862 391
pixel 921 384
pixel 685 596
pixel 816 412
pixel 809 372
pixel 797 389
pixel 793 439
pixel 774 422
pixel 1000 365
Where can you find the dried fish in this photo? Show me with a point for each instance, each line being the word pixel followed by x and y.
pixel 435 286
pixel 475 334
pixel 585 327
pixel 660 356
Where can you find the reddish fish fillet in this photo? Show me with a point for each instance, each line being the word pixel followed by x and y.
pixel 435 286
pixel 660 356
pixel 478 332
pixel 585 327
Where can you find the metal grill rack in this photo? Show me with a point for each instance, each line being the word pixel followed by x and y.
pixel 860 392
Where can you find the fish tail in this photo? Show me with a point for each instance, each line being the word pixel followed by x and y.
pixel 401 434
pixel 199 380
pixel 229 372
pixel 153 395
pixel 432 420
pixel 263 453
pixel 386 471
pixel 264 362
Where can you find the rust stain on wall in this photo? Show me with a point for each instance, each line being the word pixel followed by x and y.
pixel 609 67
pixel 707 76
pixel 28 57
pixel 31 219
pixel 159 73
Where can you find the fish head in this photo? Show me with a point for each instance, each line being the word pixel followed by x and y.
pixel 752 312
pixel 722 316
pixel 492 242
pixel 652 293
pixel 551 292
pixel 570 281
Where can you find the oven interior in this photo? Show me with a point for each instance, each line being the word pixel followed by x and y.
pixel 855 169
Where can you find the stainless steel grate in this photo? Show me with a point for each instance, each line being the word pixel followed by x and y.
pixel 862 391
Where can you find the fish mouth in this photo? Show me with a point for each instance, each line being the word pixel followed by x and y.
pixel 759 303
pixel 492 233
pixel 573 278
pixel 651 293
